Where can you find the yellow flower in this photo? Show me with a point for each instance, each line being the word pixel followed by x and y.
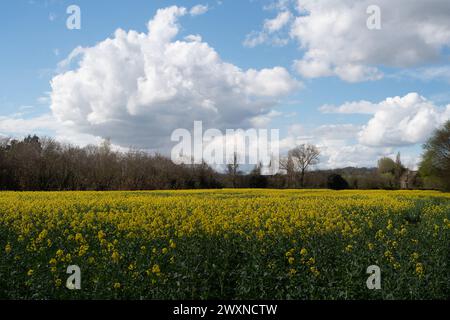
pixel 52 261
pixel 83 250
pixel 156 269
pixel 172 244
pixel 115 256
pixel 303 252
pixel 291 260
pixel 30 272
pixel 349 248
pixel 59 253
pixel 379 235
pixel 42 235
pixel 164 250
pixel 101 235
pixel 117 285
pixel 314 271
pixel 414 256
pixel 58 283
pixel 8 248
pixel 403 231
pixel 420 270
pixel 389 226
pixel 78 237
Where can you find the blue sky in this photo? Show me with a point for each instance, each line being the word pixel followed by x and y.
pixel 356 64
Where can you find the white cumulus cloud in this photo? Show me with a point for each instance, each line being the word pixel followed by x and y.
pixel 403 121
pixel 136 88
pixel 335 40
pixel 396 121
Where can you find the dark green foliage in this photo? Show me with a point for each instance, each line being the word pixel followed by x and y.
pixel 257 180
pixel 435 165
pixel 336 182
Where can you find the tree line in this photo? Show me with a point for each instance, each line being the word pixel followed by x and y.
pixel 34 163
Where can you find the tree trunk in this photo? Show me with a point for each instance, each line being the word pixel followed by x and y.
pixel 302 179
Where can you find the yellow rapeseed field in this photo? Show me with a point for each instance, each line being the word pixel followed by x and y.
pixel 227 244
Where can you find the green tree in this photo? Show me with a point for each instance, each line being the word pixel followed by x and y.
pixel 435 164
pixel 256 179
pixel 391 170
pixel 386 165
pixel 337 182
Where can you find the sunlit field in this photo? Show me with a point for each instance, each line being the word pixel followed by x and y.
pixel 245 244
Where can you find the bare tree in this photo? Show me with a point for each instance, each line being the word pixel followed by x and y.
pixel 233 170
pixel 287 164
pixel 43 164
pixel 303 157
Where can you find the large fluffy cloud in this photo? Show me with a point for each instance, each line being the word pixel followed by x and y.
pixel 136 88
pixel 397 121
pixel 335 40
pixel 403 121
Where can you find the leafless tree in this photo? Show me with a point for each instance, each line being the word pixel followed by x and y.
pixel 287 164
pixel 233 170
pixel 300 159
